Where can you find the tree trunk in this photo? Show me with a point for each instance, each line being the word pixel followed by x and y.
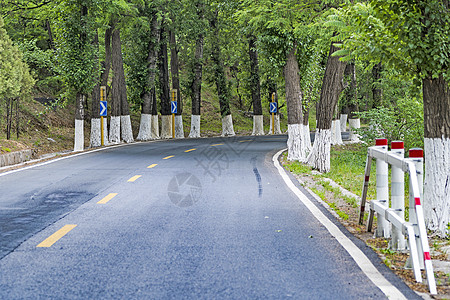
pixel 163 67
pixel 95 138
pixel 116 101
pixel 145 127
pixel 377 93
pixel 295 143
pixel 8 117
pixel 436 100
pixel 174 69
pixel 79 122
pixel 17 118
pixel 332 86
pixel 258 128
pixel 220 79
pixel 51 42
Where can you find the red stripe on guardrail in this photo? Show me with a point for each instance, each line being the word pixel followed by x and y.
pixel 427 256
pixel 417 200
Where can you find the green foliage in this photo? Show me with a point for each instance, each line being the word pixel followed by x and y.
pixel 77 55
pixel 15 79
pixel 402 121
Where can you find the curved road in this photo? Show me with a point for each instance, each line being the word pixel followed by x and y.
pixel 180 219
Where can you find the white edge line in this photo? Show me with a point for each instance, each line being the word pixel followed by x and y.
pixel 58 159
pixel 358 256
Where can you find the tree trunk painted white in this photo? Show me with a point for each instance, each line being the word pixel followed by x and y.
pixel 95 133
pixel 436 202
pixel 319 158
pixel 227 126
pixel 195 126
pixel 155 127
pixel 306 139
pixel 114 130
pixel 166 126
pixel 145 128
pixel 277 125
pixel 79 135
pixel 179 130
pixel 295 143
pixel 258 125
pixel 333 133
pixel 127 131
pixel 354 124
pixel 338 133
pixel 105 131
pixel 343 121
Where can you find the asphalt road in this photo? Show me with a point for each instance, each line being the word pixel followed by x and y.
pixel 183 219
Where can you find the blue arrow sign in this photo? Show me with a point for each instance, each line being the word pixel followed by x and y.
pixel 173 107
pixel 273 107
pixel 103 108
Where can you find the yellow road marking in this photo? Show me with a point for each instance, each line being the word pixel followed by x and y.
pixel 152 166
pixel 216 145
pixel 107 198
pixel 167 157
pixel 245 141
pixel 48 242
pixel 193 149
pixel 134 178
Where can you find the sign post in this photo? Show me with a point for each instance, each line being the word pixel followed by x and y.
pixel 103 112
pixel 273 110
pixel 174 110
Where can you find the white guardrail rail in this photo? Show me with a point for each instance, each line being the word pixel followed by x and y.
pixel 414 229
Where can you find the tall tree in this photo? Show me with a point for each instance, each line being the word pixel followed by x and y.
pixel 77 56
pixel 219 76
pixel 412 36
pixel 258 128
pixel 197 72
pixel 163 68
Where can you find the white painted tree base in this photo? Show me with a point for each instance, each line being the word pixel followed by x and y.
pixel 79 135
pixel 179 130
pixel 127 131
pixel 277 125
pixel 105 131
pixel 195 126
pixel 166 127
pixel 354 124
pixel 338 133
pixel 306 138
pixel 114 130
pixel 343 120
pixel 319 158
pixel 436 201
pixel 95 137
pixel 155 127
pixel 295 144
pixel 227 126
pixel 145 128
pixel 258 125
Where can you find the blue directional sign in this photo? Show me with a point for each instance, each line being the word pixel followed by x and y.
pixel 273 107
pixel 173 107
pixel 103 108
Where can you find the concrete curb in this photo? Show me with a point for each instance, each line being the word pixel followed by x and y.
pixel 14 158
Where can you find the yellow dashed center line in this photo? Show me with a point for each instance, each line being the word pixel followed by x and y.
pixel 107 198
pixel 216 145
pixel 152 166
pixel 167 157
pixel 193 149
pixel 245 141
pixel 134 178
pixel 48 242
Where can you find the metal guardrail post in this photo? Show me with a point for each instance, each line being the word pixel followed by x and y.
pixel 382 189
pixel 397 196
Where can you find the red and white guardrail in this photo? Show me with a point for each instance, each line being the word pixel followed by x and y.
pixel 415 229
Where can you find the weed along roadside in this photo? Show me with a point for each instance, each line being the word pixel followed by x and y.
pixel 340 192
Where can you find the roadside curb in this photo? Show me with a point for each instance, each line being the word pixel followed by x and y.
pixel 14 158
